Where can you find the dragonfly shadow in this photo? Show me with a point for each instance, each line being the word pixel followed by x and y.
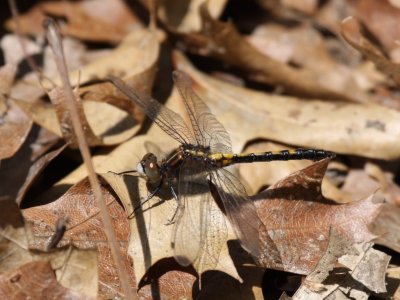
pixel 133 183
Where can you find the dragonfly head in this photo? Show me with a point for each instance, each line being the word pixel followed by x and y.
pixel 148 167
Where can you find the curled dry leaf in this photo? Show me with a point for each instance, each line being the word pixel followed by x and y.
pixel 67 263
pixel 35 170
pixel 298 219
pixel 14 123
pixel 296 121
pixel 95 20
pixel 84 230
pixel 350 31
pixel 223 41
pixel 381 18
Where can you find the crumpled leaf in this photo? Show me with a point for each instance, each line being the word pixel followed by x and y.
pixel 14 123
pixel 298 219
pixel 27 282
pixel 223 41
pixel 95 20
pixel 324 282
pixel 351 33
pixel 296 121
pixel 368 267
pixel 68 263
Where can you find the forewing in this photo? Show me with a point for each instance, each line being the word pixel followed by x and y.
pixel 239 209
pixel 208 131
pixel 166 119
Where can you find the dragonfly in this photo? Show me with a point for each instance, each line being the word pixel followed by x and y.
pixel 200 163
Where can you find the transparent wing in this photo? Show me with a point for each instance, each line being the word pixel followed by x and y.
pixel 168 120
pixel 208 131
pixel 239 209
pixel 200 229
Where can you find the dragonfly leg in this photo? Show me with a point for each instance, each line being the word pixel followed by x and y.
pixel 149 196
pixel 172 220
pixel 124 172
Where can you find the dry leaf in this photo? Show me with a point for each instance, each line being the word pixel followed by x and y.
pixel 84 230
pixel 222 41
pixel 331 14
pixel 137 52
pixel 381 18
pixel 386 227
pixel 15 237
pixel 351 33
pixel 323 282
pixel 368 267
pixel 305 6
pixel 298 219
pixel 135 58
pixel 35 170
pixel 27 282
pixel 336 64
pixel 187 17
pixel 95 20
pixel 64 118
pixel 14 123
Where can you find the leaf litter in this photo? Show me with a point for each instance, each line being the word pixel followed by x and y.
pixel 301 86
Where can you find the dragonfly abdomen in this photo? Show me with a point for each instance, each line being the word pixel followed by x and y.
pixel 283 155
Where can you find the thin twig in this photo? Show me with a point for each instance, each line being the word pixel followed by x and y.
pixel 54 39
